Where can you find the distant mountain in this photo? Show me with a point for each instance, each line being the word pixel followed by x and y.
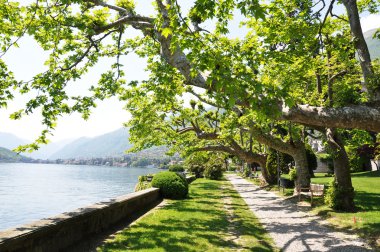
pixel 373 43
pixel 10 141
pixel 108 145
pixel 45 151
pixel 8 156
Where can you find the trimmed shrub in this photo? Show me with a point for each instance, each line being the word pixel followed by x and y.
pixel 176 168
pixel 172 185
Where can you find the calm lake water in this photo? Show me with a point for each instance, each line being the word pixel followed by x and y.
pixel 30 192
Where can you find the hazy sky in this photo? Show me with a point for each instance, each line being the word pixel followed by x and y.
pixel 28 60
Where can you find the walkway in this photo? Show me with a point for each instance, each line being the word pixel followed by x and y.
pixel 290 229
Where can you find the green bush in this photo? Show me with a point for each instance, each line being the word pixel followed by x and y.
pixel 195 163
pixel 357 163
pixel 214 169
pixel 172 185
pixel 176 168
pixel 271 165
pixel 311 160
pixel 143 183
pixel 142 186
pixel 293 174
pixel 335 194
pixel 213 172
pixel 247 171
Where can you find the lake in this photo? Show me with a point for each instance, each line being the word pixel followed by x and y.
pixel 30 192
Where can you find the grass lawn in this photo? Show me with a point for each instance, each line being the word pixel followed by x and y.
pixel 366 221
pixel 213 218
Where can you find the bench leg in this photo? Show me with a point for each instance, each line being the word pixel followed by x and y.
pixel 311 200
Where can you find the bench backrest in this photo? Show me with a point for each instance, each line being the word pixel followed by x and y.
pixel 317 187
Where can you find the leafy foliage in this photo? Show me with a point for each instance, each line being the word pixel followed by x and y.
pixel 195 163
pixel 172 185
pixel 290 55
pixel 214 169
pixel 176 168
pixel 283 163
pixel 143 182
pixel 311 160
pixel 293 174
pixel 334 195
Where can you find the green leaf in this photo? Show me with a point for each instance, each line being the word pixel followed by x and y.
pixel 166 32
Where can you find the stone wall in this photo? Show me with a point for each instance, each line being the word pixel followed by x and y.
pixel 61 231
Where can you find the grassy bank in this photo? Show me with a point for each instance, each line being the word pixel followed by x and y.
pixel 213 218
pixel 366 221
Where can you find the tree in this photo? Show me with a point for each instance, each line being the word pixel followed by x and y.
pixel 293 59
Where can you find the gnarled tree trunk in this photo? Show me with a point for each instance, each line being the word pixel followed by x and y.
pixel 303 174
pixel 345 196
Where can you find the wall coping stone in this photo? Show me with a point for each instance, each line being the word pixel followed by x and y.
pixel 46 223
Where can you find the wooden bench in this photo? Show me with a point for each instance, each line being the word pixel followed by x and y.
pixel 315 190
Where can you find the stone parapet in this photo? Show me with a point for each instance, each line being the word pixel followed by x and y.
pixel 62 231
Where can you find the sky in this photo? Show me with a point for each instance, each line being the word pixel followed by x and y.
pixel 28 60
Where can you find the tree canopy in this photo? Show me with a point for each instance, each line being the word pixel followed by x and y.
pixel 298 65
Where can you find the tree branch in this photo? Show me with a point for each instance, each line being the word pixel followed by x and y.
pixel 349 117
pixel 109 6
pixel 132 20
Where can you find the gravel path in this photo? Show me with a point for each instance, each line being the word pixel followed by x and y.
pixel 293 230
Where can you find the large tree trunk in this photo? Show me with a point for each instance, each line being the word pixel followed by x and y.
pixel 264 171
pixel 296 150
pixel 303 174
pixel 345 194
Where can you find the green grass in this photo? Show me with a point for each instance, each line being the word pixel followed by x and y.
pixel 211 219
pixel 366 221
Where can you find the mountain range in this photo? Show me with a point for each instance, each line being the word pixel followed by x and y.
pixel 373 43
pixel 112 144
pixel 10 156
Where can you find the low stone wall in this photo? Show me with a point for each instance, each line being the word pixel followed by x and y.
pixel 61 231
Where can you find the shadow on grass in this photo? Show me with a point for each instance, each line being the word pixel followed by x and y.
pixel 198 222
